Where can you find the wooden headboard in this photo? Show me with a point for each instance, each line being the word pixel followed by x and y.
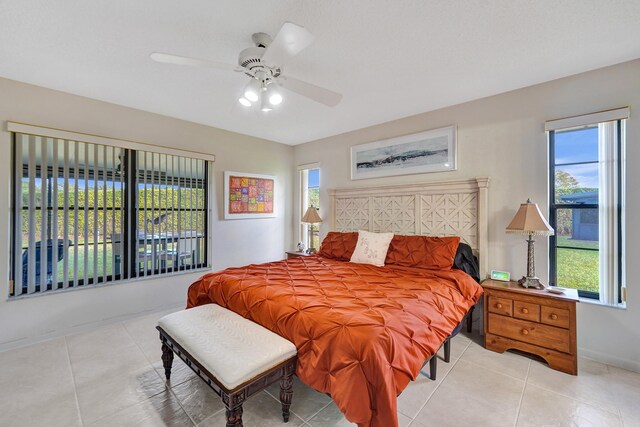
pixel 439 208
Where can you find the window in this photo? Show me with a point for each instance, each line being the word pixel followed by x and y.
pixel 88 213
pixel 586 158
pixel 310 196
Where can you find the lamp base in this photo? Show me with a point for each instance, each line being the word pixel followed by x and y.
pixel 531 282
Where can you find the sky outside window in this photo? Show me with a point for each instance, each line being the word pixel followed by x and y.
pixel 578 146
pixel 314 178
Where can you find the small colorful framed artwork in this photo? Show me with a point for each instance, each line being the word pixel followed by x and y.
pixel 248 195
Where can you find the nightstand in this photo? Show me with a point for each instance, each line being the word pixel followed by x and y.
pixel 296 254
pixel 531 320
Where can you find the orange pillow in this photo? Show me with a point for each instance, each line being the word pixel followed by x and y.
pixel 435 253
pixel 338 245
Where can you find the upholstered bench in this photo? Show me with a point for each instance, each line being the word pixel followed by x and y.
pixel 233 355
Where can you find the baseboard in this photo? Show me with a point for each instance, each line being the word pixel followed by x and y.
pixel 84 327
pixel 618 362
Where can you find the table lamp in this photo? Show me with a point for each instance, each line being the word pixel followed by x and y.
pixel 529 221
pixel 311 217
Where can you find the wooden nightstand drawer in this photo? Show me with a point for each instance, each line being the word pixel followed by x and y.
pixel 555 316
pixel 526 311
pixel 501 306
pixel 530 332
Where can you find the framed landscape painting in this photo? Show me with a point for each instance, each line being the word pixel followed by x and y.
pixel 430 151
pixel 248 195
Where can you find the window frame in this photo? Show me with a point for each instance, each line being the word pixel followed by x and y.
pixel 554 207
pixel 303 229
pixel 130 209
pixel 158 272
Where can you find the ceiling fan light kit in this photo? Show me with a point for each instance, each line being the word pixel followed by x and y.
pixel 263 64
pixel 273 94
pixel 261 88
pixel 264 105
pixel 252 90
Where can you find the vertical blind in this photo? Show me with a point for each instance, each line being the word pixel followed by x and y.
pixel 88 214
pixel 609 210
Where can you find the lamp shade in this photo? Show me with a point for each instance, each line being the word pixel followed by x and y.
pixel 264 105
pixel 311 216
pixel 252 90
pixel 529 220
pixel 272 94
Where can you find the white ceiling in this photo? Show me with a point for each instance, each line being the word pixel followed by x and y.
pixel 390 59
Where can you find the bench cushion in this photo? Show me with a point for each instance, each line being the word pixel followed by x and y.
pixel 230 347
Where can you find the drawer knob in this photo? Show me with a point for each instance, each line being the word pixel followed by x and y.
pixel 554 316
pixel 525 311
pixel 498 305
pixel 525 332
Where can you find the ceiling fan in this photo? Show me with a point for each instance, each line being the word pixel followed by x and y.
pixel 263 63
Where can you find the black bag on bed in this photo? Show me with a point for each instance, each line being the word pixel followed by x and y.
pixel 467 262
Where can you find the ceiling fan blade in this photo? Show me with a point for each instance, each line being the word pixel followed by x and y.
pixel 290 41
pixel 311 91
pixel 167 58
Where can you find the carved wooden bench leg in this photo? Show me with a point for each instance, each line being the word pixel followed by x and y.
pixel 286 393
pixel 447 350
pixel 167 360
pixel 234 417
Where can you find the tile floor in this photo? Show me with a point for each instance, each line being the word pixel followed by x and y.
pixel 112 376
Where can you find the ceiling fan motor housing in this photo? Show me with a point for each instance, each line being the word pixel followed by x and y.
pixel 251 59
pixel 262 39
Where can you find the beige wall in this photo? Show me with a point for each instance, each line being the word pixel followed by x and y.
pixel 235 242
pixel 503 137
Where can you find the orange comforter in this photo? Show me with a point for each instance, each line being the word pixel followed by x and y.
pixel 362 332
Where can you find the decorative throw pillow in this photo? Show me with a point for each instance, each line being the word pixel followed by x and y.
pixel 434 253
pixel 371 248
pixel 338 245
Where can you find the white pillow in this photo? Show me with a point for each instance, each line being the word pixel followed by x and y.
pixel 371 248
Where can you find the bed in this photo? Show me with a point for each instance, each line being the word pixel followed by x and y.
pixel 363 332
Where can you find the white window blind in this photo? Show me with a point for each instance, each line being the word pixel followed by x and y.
pixel 610 211
pixel 88 214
